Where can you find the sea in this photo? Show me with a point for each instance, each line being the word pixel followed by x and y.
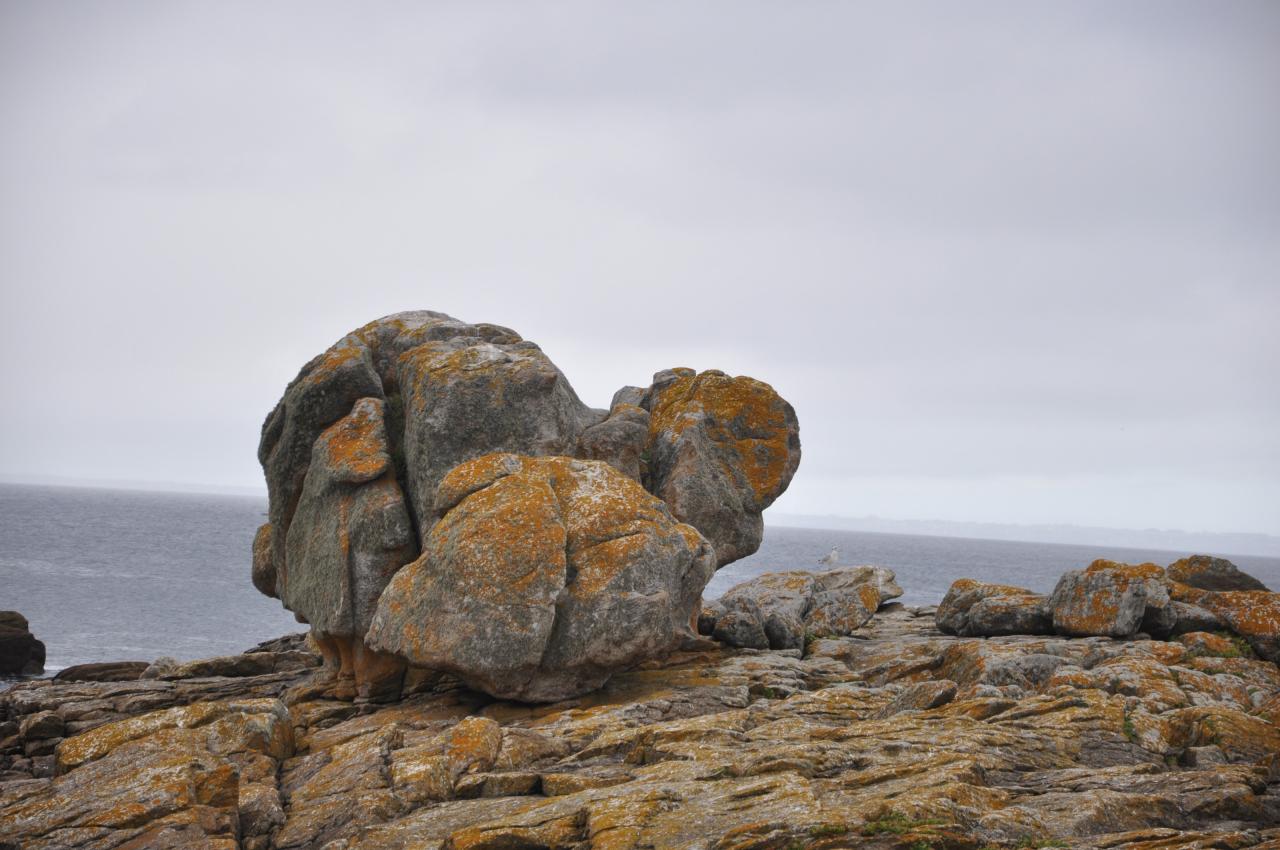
pixel 113 575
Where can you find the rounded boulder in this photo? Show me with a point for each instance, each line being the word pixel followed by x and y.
pixel 543 576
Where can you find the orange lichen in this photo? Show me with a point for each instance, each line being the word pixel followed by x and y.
pixel 356 444
pixel 1127 571
pixel 740 413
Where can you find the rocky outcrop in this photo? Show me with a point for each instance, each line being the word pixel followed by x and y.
pixel 1123 600
pixel 21 653
pixel 975 608
pixel 783 610
pixel 1208 573
pixel 720 451
pixel 1116 600
pixel 367 432
pixel 897 737
pixel 1252 614
pixel 542 577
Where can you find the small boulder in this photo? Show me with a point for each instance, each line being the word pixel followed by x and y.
pixel 543 576
pixel 103 671
pixel 41 725
pixel 20 652
pixel 780 610
pixel 1109 599
pixel 1209 573
pixel 974 608
pixel 720 450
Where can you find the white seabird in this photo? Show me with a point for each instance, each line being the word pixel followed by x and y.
pixel 830 559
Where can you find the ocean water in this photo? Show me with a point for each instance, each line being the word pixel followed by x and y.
pixel 107 575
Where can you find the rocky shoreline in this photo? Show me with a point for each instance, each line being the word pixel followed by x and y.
pixel 895 734
pixel 508 650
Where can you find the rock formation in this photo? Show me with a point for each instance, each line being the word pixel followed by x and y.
pixel 542 576
pixel 783 610
pixel 1208 573
pixel 356 453
pixel 21 653
pixel 897 737
pixel 1108 599
pixel 973 608
pixel 721 450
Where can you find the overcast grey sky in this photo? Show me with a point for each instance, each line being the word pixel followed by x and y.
pixel 1011 262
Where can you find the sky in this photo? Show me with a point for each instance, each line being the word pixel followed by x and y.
pixel 1011 262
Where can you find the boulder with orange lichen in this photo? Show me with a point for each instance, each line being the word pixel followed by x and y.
pixel 781 610
pixel 1252 614
pixel 720 450
pixel 977 608
pixel 355 450
pixel 542 577
pixel 1208 573
pixel 1113 600
pixel 465 397
pixel 350 533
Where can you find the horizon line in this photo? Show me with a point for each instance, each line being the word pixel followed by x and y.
pixel 779 518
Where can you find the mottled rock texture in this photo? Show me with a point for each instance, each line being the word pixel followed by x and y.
pixel 897 737
pixel 542 577
pixel 977 608
pixel 1112 599
pixel 1208 573
pixel 1123 600
pixel 362 439
pixel 720 450
pixel 783 610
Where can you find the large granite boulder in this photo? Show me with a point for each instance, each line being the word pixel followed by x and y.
pixel 1208 573
pixel 973 608
pixel 356 449
pixel 1110 599
pixel 720 450
pixel 20 652
pixel 781 610
pixel 542 577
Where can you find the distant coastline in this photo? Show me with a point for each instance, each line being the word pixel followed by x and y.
pixel 1172 540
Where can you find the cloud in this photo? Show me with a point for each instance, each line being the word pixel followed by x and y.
pixel 1025 246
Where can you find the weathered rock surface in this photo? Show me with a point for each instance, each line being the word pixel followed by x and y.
pixel 720 449
pixel 354 453
pixel 103 671
pixel 1252 614
pixel 1208 573
pixel 1116 600
pixel 543 577
pixel 1122 600
pixel 782 610
pixel 897 737
pixel 976 608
